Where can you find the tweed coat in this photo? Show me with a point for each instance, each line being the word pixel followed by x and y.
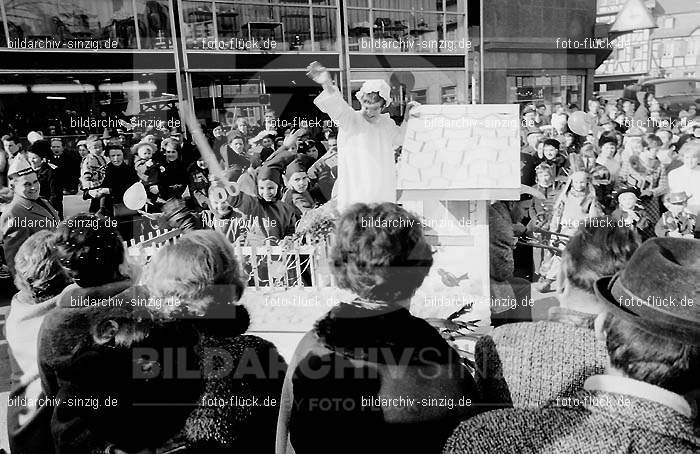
pixel 526 365
pixel 588 422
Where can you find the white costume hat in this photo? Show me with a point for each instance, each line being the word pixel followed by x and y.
pixel 33 136
pixel 19 167
pixel 375 85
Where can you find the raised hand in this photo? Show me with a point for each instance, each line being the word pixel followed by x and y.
pixel 318 73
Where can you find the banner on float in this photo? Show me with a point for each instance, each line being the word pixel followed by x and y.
pixel 461 152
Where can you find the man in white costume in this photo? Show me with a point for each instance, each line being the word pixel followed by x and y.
pixel 366 139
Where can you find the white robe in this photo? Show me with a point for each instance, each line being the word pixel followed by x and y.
pixel 366 168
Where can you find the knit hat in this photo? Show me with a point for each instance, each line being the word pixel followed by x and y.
pixel 269 173
pixel 655 289
pixel 553 142
pixel 544 168
pixel 295 166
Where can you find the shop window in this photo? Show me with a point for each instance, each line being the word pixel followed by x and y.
pixel 74 24
pixel 668 49
pixel 154 24
pixel 262 26
pixel 419 96
pixel 567 89
pixel 199 24
pixel 417 26
pixel 637 52
pixel 426 87
pixel 448 95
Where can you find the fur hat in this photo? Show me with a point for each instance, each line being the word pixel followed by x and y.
pixel 656 288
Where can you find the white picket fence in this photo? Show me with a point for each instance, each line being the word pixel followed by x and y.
pixel 266 265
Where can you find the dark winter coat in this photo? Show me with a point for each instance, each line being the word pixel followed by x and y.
pixel 173 181
pixel 243 383
pixel 51 188
pixel 359 352
pixel 62 333
pixel 118 179
pixel 198 183
pixel 275 219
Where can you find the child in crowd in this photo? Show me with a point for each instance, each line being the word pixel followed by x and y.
pixel 198 183
pixel 268 147
pixel 608 151
pixel 678 221
pixel 549 154
pixel 247 181
pixel 148 170
pixel 269 216
pixel 92 172
pixel 50 185
pixel 366 139
pixel 173 181
pixel 324 172
pixel 540 211
pixel 629 212
pixel 223 218
pixel 576 203
pixel 297 192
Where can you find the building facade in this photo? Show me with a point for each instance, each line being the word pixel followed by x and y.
pixel 672 50
pixel 68 66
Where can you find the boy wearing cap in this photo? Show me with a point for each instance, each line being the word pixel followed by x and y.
pixel 51 190
pixel 297 192
pixel 27 214
pixel 366 139
pixel 678 221
pixel 629 212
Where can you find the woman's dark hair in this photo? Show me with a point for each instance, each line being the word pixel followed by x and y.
pixel 380 252
pixel 599 248
pixel 90 249
pixel 650 358
pixel 137 362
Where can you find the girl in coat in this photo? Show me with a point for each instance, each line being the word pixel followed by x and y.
pixel 362 379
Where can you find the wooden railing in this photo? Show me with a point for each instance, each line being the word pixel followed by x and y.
pixel 266 265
